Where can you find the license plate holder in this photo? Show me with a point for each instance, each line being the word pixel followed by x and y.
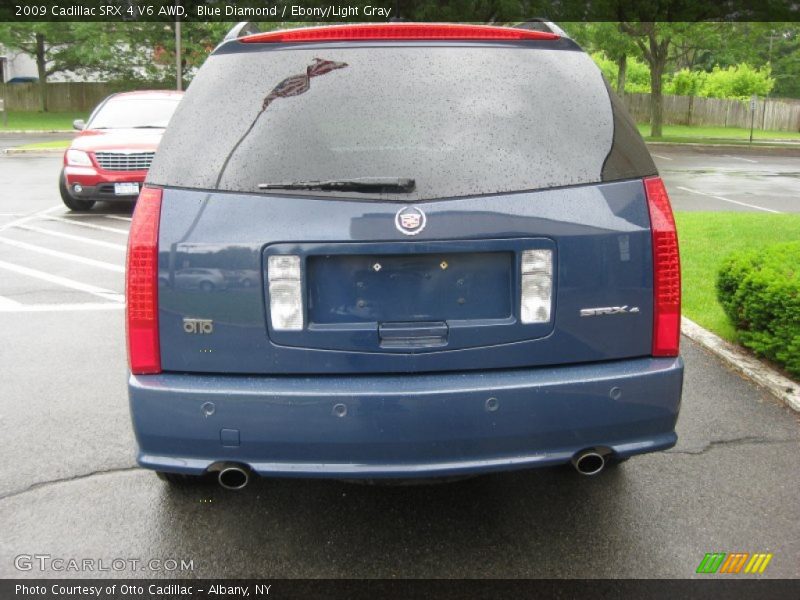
pixel 410 287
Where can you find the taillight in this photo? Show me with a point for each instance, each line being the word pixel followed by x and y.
pixel 285 292
pixel 141 285
pixel 536 295
pixel 399 31
pixel 666 270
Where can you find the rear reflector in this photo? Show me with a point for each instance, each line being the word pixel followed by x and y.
pixel 404 31
pixel 666 270
pixel 285 293
pixel 141 285
pixel 536 295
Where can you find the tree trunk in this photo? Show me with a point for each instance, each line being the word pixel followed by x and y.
pixel 656 97
pixel 41 67
pixel 622 65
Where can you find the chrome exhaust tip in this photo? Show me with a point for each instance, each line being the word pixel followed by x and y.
pixel 588 462
pixel 233 477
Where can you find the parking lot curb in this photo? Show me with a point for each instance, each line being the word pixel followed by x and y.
pixel 761 374
pixel 16 151
pixel 777 150
pixel 36 131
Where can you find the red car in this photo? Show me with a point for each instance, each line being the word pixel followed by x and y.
pixel 109 158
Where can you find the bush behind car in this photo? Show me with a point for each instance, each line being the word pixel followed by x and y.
pixel 760 292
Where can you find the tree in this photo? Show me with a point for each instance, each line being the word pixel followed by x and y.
pixel 614 43
pixel 37 40
pixel 109 50
pixel 759 44
pixel 637 79
pixel 655 40
pixel 125 52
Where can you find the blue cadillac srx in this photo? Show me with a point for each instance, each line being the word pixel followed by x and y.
pixel 398 251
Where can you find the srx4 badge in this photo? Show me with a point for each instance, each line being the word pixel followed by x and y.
pixel 608 310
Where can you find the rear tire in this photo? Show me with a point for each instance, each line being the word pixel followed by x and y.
pixel 71 202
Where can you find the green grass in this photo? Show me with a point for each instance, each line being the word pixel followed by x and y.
pixel 34 121
pixel 728 135
pixel 706 238
pixel 60 144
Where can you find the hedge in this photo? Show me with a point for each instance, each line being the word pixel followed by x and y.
pixel 760 292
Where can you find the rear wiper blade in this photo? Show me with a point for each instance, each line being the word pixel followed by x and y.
pixel 358 184
pixel 149 127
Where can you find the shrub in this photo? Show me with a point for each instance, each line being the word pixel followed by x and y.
pixel 760 292
pixel 738 81
pixel 686 83
pixel 637 74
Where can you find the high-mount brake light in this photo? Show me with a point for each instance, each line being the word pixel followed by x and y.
pixel 141 285
pixel 399 31
pixel 666 270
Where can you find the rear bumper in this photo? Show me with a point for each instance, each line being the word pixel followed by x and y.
pixel 405 425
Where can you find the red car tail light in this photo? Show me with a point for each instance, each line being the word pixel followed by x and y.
pixel 399 31
pixel 141 285
pixel 666 270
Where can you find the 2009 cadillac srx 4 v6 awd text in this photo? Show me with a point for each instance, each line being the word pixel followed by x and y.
pixel 396 251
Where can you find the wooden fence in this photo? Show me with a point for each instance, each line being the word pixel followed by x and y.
pixel 67 96
pixel 779 114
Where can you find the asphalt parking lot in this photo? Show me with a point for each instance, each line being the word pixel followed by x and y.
pixel 69 486
pixel 729 180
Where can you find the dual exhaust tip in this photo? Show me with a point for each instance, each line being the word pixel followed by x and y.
pixel 236 477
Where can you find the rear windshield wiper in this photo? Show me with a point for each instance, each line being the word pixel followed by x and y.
pixel 358 184
pixel 149 127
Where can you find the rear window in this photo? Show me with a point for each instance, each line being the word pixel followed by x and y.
pixel 458 119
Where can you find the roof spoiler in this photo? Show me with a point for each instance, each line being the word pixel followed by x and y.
pixel 542 25
pixel 241 29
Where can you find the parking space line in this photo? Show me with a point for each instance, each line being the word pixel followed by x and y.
pixel 63 281
pixel 777 212
pixel 83 215
pixel 8 303
pixel 76 238
pixel 30 217
pixel 750 160
pixel 118 218
pixel 65 255
pixel 89 225
pixel 82 306
pixel 661 156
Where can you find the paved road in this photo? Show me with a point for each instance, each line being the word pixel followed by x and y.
pixel 69 486
pixel 730 180
pixel 12 140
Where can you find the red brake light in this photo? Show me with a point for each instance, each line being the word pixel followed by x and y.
pixel 141 285
pixel 399 31
pixel 666 270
